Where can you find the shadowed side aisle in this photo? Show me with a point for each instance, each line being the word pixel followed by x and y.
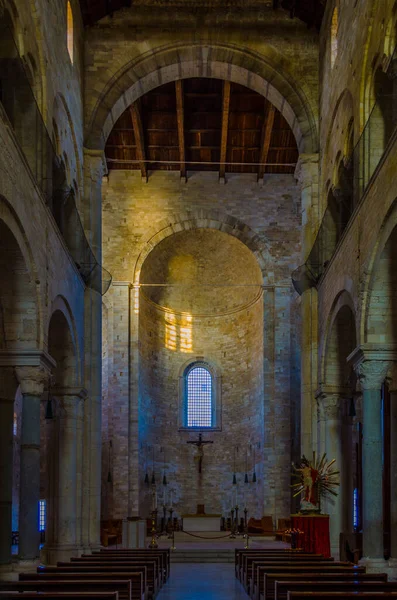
pixel 192 581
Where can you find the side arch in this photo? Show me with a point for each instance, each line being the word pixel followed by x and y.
pixel 62 324
pixel 170 63
pixel 31 286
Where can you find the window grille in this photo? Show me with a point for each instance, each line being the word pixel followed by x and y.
pixel 42 515
pixel 199 398
pixel 355 509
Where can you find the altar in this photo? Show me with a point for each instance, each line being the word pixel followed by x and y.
pixel 201 522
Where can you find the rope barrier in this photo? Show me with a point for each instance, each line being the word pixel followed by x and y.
pixel 220 537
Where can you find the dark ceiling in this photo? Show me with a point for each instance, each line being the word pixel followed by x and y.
pixel 309 11
pixel 202 124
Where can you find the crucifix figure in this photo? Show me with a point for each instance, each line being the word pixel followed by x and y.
pixel 200 450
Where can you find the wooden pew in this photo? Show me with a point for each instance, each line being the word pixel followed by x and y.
pixel 165 552
pixel 123 559
pixel 153 565
pixel 269 579
pixel 123 587
pixel 248 560
pixel 315 573
pixel 339 595
pixel 283 587
pixel 252 567
pixel 241 554
pixel 138 579
pixel 146 567
pixel 60 595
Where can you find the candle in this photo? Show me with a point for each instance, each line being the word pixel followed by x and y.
pixel 235 495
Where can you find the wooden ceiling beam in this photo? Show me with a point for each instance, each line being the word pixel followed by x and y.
pixel 180 117
pixel 139 138
pixel 266 138
pixel 225 127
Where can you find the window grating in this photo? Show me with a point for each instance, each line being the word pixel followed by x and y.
pixel 199 398
pixel 42 515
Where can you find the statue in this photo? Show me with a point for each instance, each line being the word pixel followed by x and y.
pixel 316 480
pixel 200 451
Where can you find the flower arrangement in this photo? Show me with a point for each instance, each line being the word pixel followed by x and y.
pixel 316 481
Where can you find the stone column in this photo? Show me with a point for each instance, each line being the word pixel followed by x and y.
pixel 393 465
pixel 8 387
pixel 65 537
pixel 331 407
pixel 32 381
pixel 307 176
pixel 94 169
pixel 371 374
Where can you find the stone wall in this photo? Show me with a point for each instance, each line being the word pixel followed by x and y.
pixel 261 385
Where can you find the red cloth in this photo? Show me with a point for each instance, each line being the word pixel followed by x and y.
pixel 315 536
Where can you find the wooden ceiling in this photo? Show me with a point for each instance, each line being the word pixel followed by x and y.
pixel 202 124
pixel 309 11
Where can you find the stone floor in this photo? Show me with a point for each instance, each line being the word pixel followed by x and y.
pixel 202 582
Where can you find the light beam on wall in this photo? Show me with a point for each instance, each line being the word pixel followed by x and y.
pixel 179 332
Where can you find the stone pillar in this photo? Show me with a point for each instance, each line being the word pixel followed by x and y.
pixel 371 372
pixel 94 169
pixel 393 465
pixel 307 176
pixel 65 537
pixel 8 387
pixel 331 406
pixel 32 381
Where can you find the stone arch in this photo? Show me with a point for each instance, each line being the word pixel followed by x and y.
pixel 340 341
pixel 203 219
pixel 62 118
pixel 20 308
pixel 63 345
pixel 379 315
pixel 199 59
pixel 344 107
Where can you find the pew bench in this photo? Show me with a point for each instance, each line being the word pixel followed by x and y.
pixel 258 567
pixel 311 573
pixel 283 587
pixel 243 557
pixel 269 580
pixel 122 561
pixel 148 569
pixel 138 590
pixel 60 595
pixel 165 552
pixel 340 595
pixel 248 562
pixel 122 587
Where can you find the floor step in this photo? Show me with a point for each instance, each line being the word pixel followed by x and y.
pixel 202 556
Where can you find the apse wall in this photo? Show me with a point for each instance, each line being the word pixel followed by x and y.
pixel 206 305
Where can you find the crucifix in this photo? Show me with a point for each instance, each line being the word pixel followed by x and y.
pixel 200 450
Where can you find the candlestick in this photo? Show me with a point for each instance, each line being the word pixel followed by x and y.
pixel 153 543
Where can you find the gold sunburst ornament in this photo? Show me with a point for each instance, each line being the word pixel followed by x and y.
pixel 317 480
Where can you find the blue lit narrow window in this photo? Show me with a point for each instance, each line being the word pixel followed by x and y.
pixel 355 509
pixel 199 398
pixel 42 515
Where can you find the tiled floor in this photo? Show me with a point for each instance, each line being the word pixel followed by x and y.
pixel 202 581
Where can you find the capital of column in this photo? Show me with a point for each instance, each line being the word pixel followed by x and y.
pixel 76 392
pixel 329 401
pixel 95 163
pixel 306 170
pixel 392 377
pixel 32 380
pixel 371 363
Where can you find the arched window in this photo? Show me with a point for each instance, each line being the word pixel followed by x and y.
pixel 200 397
pixel 334 36
pixel 69 29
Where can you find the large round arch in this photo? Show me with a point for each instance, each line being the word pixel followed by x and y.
pixel 181 61
pixel 205 219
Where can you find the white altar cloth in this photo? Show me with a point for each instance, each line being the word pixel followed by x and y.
pixel 201 522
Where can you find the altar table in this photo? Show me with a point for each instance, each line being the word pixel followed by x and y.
pixel 315 536
pixel 201 522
